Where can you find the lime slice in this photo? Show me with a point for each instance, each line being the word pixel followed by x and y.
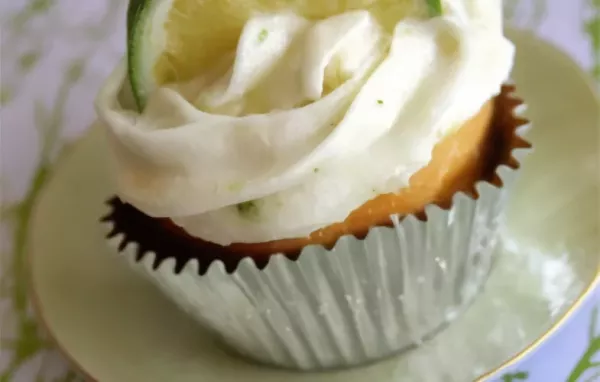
pixel 176 40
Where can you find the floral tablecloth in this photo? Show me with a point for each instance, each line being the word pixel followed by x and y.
pixel 55 54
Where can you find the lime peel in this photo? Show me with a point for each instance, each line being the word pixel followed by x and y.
pixel 145 20
pixel 134 13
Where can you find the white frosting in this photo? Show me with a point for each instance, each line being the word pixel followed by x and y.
pixel 309 120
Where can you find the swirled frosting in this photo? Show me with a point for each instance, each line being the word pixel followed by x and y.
pixel 306 121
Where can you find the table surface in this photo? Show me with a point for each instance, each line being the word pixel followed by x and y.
pixel 56 53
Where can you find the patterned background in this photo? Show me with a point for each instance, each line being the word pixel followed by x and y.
pixel 54 54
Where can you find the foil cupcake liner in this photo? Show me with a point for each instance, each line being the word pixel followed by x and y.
pixel 362 300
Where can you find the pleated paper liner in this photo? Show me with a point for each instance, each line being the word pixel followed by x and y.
pixel 360 301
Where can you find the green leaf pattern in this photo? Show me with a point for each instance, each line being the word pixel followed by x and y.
pixel 52 63
pixel 515 377
pixel 588 367
pixel 592 29
pixel 48 77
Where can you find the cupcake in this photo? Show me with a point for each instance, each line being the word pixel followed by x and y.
pixel 318 185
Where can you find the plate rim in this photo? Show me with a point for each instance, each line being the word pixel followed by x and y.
pixel 30 280
pixel 67 153
pixel 595 283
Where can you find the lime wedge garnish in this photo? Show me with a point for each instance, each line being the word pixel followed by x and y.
pixel 177 40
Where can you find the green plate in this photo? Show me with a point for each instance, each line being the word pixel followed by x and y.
pixel 117 327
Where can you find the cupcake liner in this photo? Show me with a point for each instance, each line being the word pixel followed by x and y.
pixel 360 301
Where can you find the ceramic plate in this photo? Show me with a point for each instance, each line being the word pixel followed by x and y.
pixel 117 327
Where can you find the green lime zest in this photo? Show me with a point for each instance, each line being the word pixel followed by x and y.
pixel 236 187
pixel 434 7
pixel 262 36
pixel 249 210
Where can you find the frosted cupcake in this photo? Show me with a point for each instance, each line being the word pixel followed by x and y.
pixel 320 186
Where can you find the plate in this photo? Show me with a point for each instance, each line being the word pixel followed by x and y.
pixel 116 326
